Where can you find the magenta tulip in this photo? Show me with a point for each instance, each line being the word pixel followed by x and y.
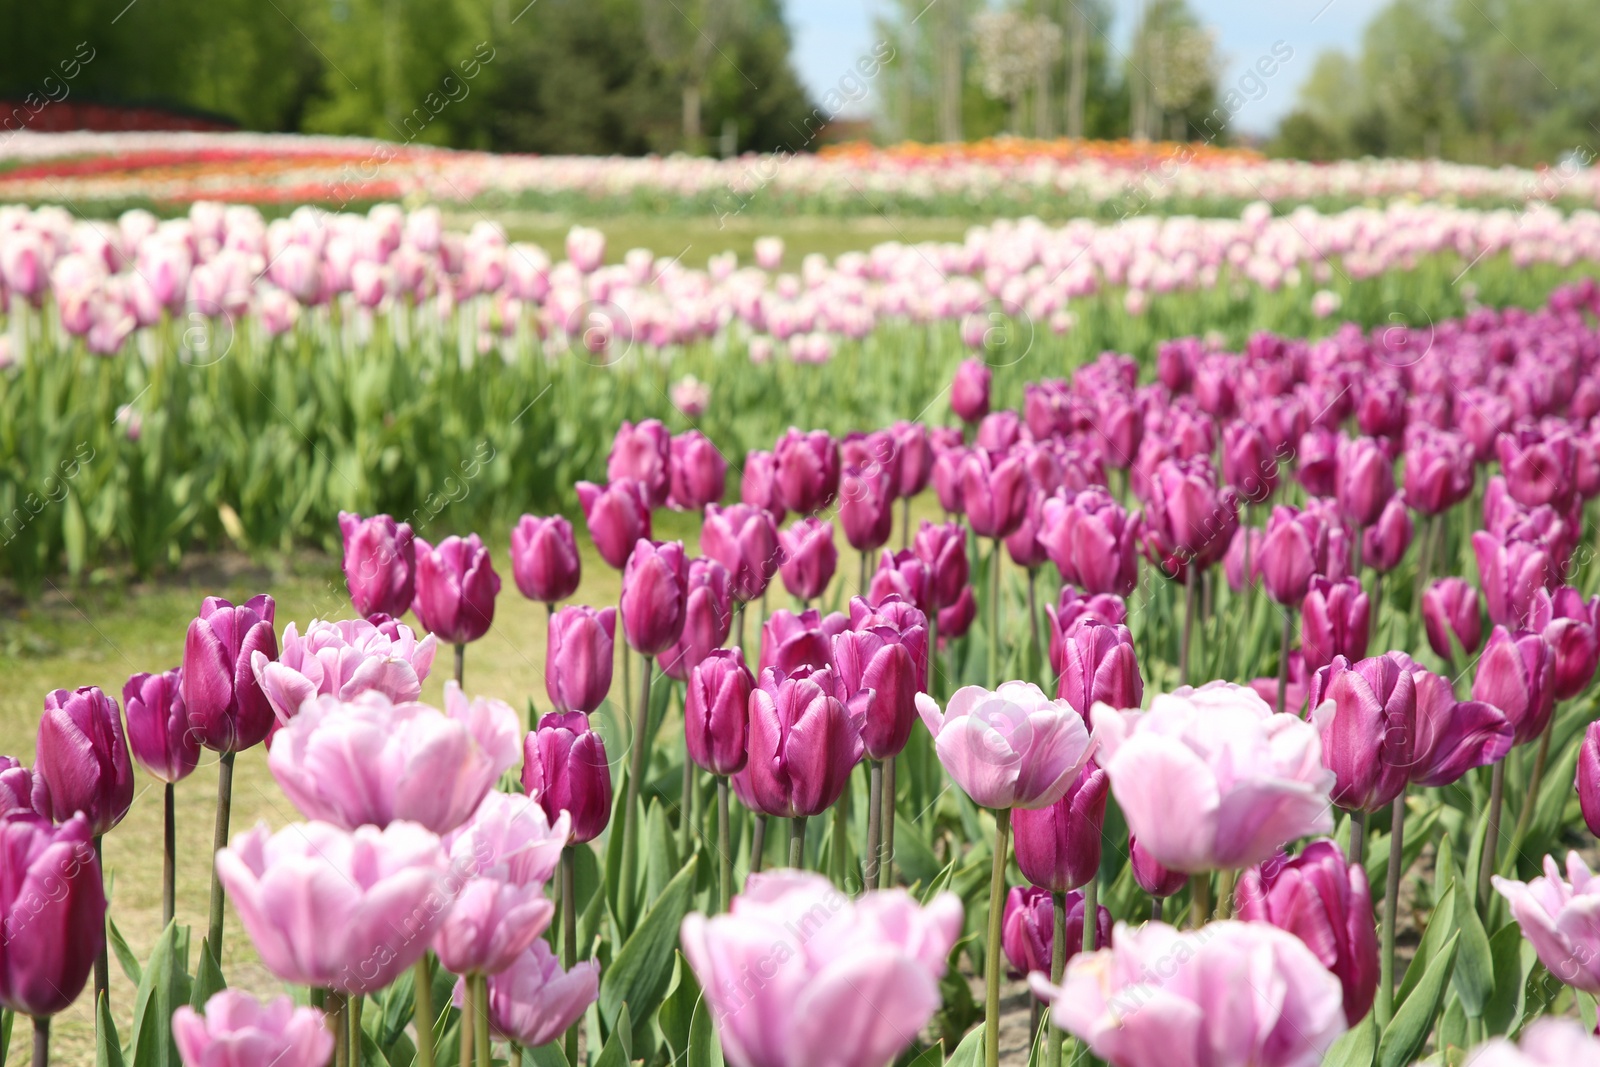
pixel 1569 625
pixel 942 548
pixel 618 517
pixel 994 489
pixel 158 726
pixel 1439 470
pixel 379 563
pixel 955 620
pixel 1517 675
pixel 804 742
pixel 534 1001
pixel 1058 847
pixel 1092 541
pixel 544 558
pixel 1538 467
pixel 758 484
pixel 707 619
pixel 82 757
pixel 1097 665
pixel 227 710
pixel 790 641
pixel 655 587
pixel 808 557
pixel 22 792
pixel 55 912
pixel 642 454
pixel 1450 608
pixel 1191 520
pixel 699 472
pixel 565 769
pixel 1366 713
pixel 456 588
pixel 1249 465
pixel 1588 777
pixel 947 463
pixel 866 507
pixel 889 664
pixel 913 458
pixel 716 712
pixel 969 390
pixel 1453 736
pixel 1512 572
pixel 1365 480
pixel 1333 622
pixel 579 657
pixel 745 540
pixel 900 574
pixel 806 470
pixel 1028 929
pixel 1384 543
pixel 1009 748
pixel 1292 551
pixel 237 1030
pixel 1152 877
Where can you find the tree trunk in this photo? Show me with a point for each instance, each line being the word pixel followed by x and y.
pixel 1078 85
pixel 1043 128
pixel 950 75
pixel 691 116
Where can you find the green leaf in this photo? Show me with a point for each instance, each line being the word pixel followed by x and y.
pixel 208 980
pixel 7 1019
pixel 1356 1047
pixel 397 1005
pixel 1418 831
pixel 371 1054
pixel 932 1056
pixel 164 987
pixel 124 954
pixel 636 979
pixel 1408 1030
pixel 704 1048
pixel 912 856
pixel 107 1046
pixel 677 1011
pixel 550 1054
pixel 970 1052
pixel 1474 973
pixel 1432 938
pixel 940 883
pixel 616 1053
pixel 1510 980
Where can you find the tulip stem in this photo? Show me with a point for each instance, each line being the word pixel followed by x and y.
pixel 422 1010
pixel 738 626
pixel 102 962
pixel 1383 1010
pixel 41 1041
pixel 169 860
pixel 1358 837
pixel 724 845
pixel 994 627
pixel 886 848
pixel 219 842
pixel 1377 607
pixel 1224 908
pixel 869 862
pixel 461 664
pixel 1491 840
pixel 758 843
pixel 1199 899
pixel 992 953
pixel 905 523
pixel 480 1020
pixel 1525 816
pixel 1058 962
pixel 797 842
pixel 1155 908
pixel 339 1019
pixel 569 931
pixel 1188 623
pixel 630 820
pixel 469 1011
pixel 685 817
pixel 354 1009
pixel 865 571
pixel 1033 612
pixel 838 864
pixel 1283 660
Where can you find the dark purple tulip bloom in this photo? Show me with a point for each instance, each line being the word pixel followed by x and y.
pixel 1292 551
pixel 995 492
pixel 158 726
pixel 579 657
pixel 1333 622
pixel 618 516
pixel 1152 877
pixel 1368 728
pixel 379 563
pixel 890 664
pixel 716 713
pixel 655 588
pixel 1517 675
pixel 804 742
pixel 22 791
pixel 564 768
pixel 544 558
pixel 969 391
pixel 942 548
pixel 456 588
pixel 1450 607
pixel 1098 665
pixel 707 618
pixel 1058 847
pixel 758 484
pixel 1453 736
pixel 744 539
pixel 227 710
pixel 1028 928
pixel 807 470
pixel 808 556
pixel 55 911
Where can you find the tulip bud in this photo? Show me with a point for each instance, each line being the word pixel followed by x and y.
pixel 791 641
pixel 1517 675
pixel 544 558
pixel 1098 665
pixel 1028 928
pixel 699 473
pixel 1058 847
pixel 1366 713
pixel 456 587
pixel 379 563
pixel 1325 902
pixel 1365 479
pixel 942 549
pixel 1450 607
pixel 22 792
pixel 618 517
pixel 1092 540
pixel 969 391
pixel 1190 521
pixel 1249 465
pixel 1568 626
pixel 947 479
pixel 994 489
pixel 716 712
pixel 806 470
pixel 1152 877
pixel 1439 470
pixel 758 485
pixel 745 540
pixel 1588 781
pixel 804 742
pixel 900 574
pixel 1333 622
pixel 55 912
pixel 866 508
pixel 1384 543
pixel 564 769
pixel 707 618
pixel 1293 550
pixel 642 454
pixel 158 726
pixel 913 458
pixel 654 592
pixel 889 664
pixel 808 556
pixel 579 657
pixel 227 710
pixel 1317 462
pixel 956 619
pixel 1022 545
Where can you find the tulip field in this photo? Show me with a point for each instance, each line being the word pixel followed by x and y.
pixel 1151 641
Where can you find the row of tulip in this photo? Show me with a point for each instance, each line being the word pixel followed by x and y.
pixel 425 864
pixel 1063 179
pixel 208 428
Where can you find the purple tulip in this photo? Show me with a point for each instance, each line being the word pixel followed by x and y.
pixel 456 588
pixel 1058 847
pixel 1384 543
pixel 237 1030
pixel 804 742
pixel 54 910
pixel 1538 466
pixel 699 473
pixel 379 563
pixel 1517 675
pixel 745 540
pixel 1028 929
pixel 371 761
pixel 1512 573
pixel 340 910
pixel 707 619
pixel 1191 520
pixel 1439 470
pixel 1588 777
pixel 808 557
pixel 868 968
pixel 158 726
pixel 22 792
pixel 579 657
pixel 1249 464
pixel 900 574
pixel 969 390
pixel 1324 902
pixel 1568 625
pixel 1246 543
pixel 942 548
pixel 1010 748
pixel 544 558
pixel 500 860
pixel 1073 611
pixel 888 664
pixel 618 517
pixel 642 454
pixel 655 587
pixel 956 619
pixel 913 458
pixel 758 485
pixel 82 758
pixel 1292 551
pixel 1119 424
pixel 716 712
pixel 947 464
pixel 1453 736
pixel 1365 479
pixel 790 641
pixel 871 453
pixel 1317 461
pixel 1366 713
pixel 866 507
pixel 564 768
pixel 1333 622
pixel 1092 540
pixel 994 489
pixel 806 470
pixel 1152 877
pixel 227 710
pixel 534 1001
pixel 1097 665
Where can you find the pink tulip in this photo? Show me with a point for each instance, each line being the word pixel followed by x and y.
pixel 1384 543
pixel 1365 479
pixel 1191 520
pixel 334 909
pixel 758 485
pixel 23 792
pixel 579 657
pixel 745 540
pixel 913 458
pixel 1210 778
pixel 790 641
pixel 1588 777
pixel 1546 1042
pixel 1539 467
pixel 237 1030
pixel 969 391
pixel 888 662
pixel 1439 470
pixel 804 742
pixel 54 905
pixel 1293 550
pixel 716 712
pixel 699 473
pixel 1554 915
pixel 1569 626
pixel 544 558
pixel 807 557
pixel 1028 929
pixel 866 507
pixel 867 968
pixel 343 659
pixel 643 454
pixel 900 574
pixel 618 517
pixel 1092 541
pixel 534 1001
pixel 1516 674
pixel 1010 748
pixel 227 710
pixel 1333 622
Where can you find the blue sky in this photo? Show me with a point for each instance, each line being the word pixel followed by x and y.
pixel 830 34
